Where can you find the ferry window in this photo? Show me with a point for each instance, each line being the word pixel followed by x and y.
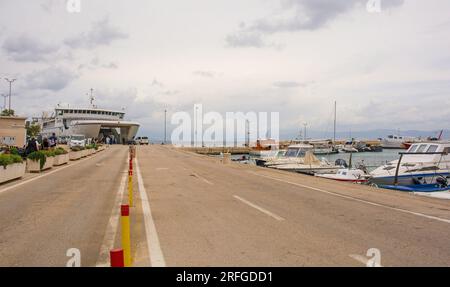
pixel 432 148
pixel 60 113
pixel 390 137
pixel 66 111
pixel 421 148
pixel 413 148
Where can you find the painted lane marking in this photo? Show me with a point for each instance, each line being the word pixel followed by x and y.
pixel 265 211
pixel 202 178
pixel 112 227
pixel 153 246
pixel 356 199
pixel 45 174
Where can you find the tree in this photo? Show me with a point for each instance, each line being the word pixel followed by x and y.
pixel 7 113
pixel 33 129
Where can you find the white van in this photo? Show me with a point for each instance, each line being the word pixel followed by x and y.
pixel 77 140
pixel 142 140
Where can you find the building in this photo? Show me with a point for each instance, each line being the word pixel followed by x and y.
pixel 12 131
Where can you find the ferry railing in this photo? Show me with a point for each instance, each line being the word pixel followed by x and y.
pixel 412 153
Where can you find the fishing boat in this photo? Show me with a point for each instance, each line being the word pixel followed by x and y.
pixel 422 163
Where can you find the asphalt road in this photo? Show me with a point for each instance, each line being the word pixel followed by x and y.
pixel 210 214
pixel 192 210
pixel 70 208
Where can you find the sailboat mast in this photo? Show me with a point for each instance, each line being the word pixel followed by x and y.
pixel 334 130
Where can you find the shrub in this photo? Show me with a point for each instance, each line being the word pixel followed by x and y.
pixel 77 148
pixel 7 159
pixel 60 151
pixel 40 156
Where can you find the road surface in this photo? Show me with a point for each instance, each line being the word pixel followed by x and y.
pixel 192 210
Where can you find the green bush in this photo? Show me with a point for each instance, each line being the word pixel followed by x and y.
pixel 60 151
pixel 40 156
pixel 7 159
pixel 77 148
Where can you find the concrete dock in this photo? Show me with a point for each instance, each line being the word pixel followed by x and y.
pixel 192 210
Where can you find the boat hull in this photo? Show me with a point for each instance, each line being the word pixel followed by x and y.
pixel 408 179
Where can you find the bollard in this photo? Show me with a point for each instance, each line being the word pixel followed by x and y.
pixel 126 242
pixel 116 258
pixel 130 188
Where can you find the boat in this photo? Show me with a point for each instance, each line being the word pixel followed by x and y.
pixel 91 122
pixel 422 163
pixel 309 165
pixel 396 141
pixel 349 148
pixel 268 156
pixel 418 187
pixel 347 174
pixel 294 154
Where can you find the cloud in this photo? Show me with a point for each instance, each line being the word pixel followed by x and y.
pixel 297 15
pixel 51 79
pixel 27 49
pixel 102 33
pixel 205 74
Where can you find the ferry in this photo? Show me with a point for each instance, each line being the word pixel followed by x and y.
pixel 396 141
pixel 422 163
pixel 91 122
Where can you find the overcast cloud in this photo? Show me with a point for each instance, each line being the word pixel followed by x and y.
pixel 387 70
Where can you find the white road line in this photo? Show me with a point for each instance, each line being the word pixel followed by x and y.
pixel 45 174
pixel 202 178
pixel 265 211
pixel 111 228
pixel 153 246
pixel 356 199
pixel 364 260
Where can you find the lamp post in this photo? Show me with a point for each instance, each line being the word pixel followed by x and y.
pixel 4 101
pixel 10 84
pixel 165 126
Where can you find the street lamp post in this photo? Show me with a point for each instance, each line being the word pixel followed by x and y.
pixel 165 126
pixel 4 101
pixel 10 84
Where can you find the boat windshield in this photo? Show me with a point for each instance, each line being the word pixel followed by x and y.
pixel 413 148
pixel 291 152
pixel 432 148
pixel 421 148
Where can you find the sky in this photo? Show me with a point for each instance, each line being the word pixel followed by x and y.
pixel 386 68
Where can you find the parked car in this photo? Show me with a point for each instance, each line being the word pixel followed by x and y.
pixel 142 141
pixel 77 140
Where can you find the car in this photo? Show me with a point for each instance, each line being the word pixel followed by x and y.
pixel 142 141
pixel 77 140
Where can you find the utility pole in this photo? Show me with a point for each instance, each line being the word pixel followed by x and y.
pixel 10 84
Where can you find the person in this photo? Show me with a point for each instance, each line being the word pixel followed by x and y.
pixel 53 140
pixel 45 144
pixel 31 146
pixel 108 140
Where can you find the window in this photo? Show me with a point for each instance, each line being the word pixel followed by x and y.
pixel 292 152
pixel 447 150
pixel 421 148
pixel 432 148
pixel 413 148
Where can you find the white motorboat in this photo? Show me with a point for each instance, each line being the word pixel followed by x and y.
pixel 347 174
pixel 423 163
pixel 309 165
pixel 294 154
pixel 396 141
